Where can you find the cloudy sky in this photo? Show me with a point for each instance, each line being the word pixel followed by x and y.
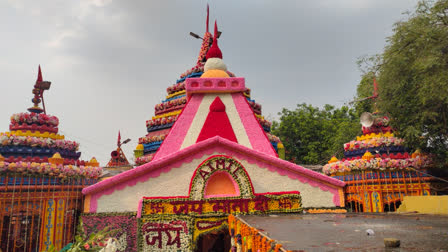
pixel 111 61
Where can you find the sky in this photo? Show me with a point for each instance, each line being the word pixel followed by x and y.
pixel 111 61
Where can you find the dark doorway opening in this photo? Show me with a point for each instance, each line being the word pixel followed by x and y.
pixel 355 207
pixel 392 207
pixel 214 241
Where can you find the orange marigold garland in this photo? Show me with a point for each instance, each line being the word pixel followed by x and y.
pixel 247 238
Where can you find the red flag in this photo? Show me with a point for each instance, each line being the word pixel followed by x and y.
pixel 214 51
pixel 119 138
pixel 207 19
pixel 39 76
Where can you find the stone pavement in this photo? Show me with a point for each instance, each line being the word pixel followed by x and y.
pixel 348 232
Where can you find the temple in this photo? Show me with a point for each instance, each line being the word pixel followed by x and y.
pixel 215 159
pixel 378 169
pixel 41 178
pixel 118 162
pixel 167 112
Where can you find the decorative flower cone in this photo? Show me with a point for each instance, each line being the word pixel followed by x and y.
pixel 33 138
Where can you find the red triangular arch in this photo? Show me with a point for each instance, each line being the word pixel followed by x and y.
pixel 217 123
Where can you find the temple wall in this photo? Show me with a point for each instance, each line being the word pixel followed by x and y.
pixel 265 180
pixel 176 182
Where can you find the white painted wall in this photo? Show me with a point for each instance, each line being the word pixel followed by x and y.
pixel 177 182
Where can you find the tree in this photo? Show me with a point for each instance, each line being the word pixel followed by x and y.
pixel 413 79
pixel 312 135
pixel 364 90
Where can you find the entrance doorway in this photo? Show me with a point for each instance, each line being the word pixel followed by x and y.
pixel 214 241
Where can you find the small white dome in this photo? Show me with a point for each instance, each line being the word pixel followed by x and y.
pixel 215 64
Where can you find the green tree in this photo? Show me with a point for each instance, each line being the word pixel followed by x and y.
pixel 312 135
pixel 363 91
pixel 413 79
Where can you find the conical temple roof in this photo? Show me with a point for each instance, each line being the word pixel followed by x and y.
pixel 376 149
pixel 167 112
pixel 33 144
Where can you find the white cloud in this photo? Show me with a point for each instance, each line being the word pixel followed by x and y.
pixel 58 39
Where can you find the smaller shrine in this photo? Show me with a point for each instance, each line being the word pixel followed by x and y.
pixel 41 178
pixel 118 162
pixel 378 169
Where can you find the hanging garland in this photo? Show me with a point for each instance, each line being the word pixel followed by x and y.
pixel 376 164
pixel 6 140
pixel 33 118
pixel 151 139
pixel 373 143
pixel 34 134
pixel 246 238
pixel 61 171
pixel 144 159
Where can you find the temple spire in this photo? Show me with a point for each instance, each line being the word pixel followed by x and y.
pixel 39 75
pixel 38 94
pixel 207 18
pixel 214 51
pixel 119 139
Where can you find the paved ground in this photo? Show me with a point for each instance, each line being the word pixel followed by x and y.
pixel 347 232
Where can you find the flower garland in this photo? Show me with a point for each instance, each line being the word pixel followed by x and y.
pixel 247 92
pixel 151 139
pixel 170 105
pixel 124 222
pixel 33 118
pixel 61 171
pixel 34 134
pixel 162 121
pixel 325 210
pixel 6 140
pixel 144 159
pixel 376 164
pixel 206 225
pixel 175 94
pixel 204 47
pixel 284 202
pixel 373 142
pixel 176 88
pixel 220 162
pixel 255 106
pixel 273 138
pixel 263 122
pixel 169 114
pixel 374 135
pixel 247 238
pixel 196 69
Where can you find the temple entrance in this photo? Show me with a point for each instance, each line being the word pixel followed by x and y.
pixel 20 233
pixel 214 241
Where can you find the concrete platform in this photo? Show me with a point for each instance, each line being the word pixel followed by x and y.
pixel 347 232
